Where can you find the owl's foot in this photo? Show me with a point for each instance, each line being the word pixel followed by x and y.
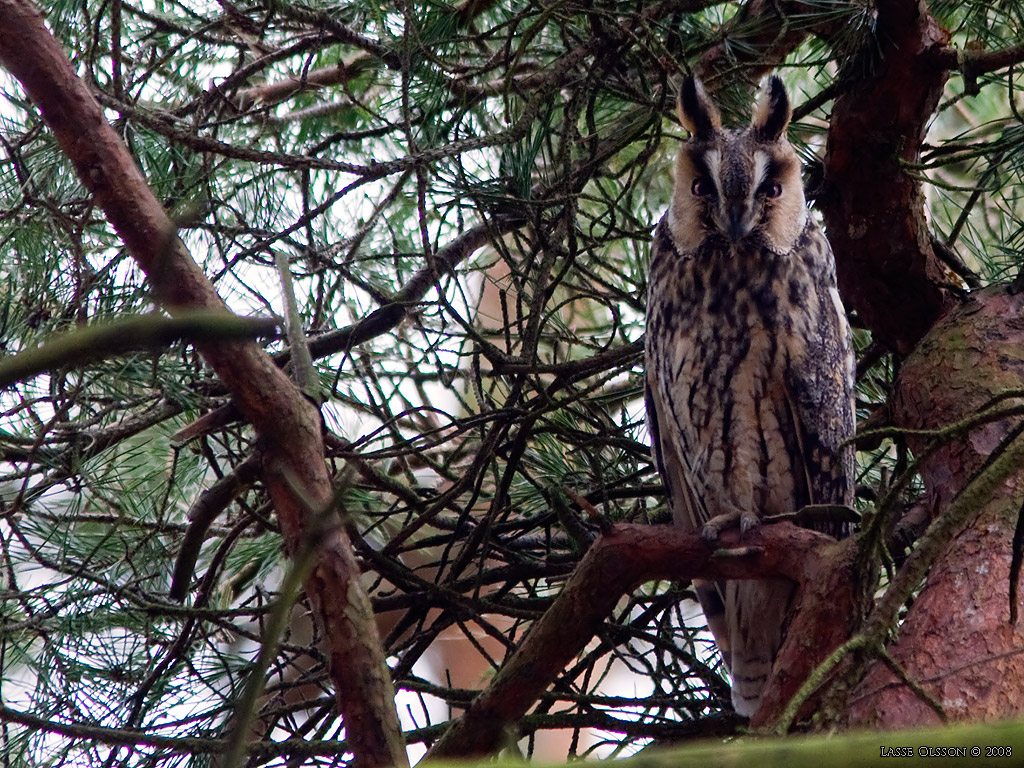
pixel 713 528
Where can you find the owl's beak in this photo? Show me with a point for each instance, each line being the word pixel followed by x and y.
pixel 740 219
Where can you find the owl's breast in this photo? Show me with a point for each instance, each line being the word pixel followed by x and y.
pixel 724 328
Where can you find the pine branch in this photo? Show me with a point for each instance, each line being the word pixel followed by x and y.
pixel 269 94
pixel 148 332
pixel 294 468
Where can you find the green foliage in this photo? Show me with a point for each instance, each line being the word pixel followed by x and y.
pixel 507 381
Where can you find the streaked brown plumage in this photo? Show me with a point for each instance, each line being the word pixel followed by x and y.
pixel 749 360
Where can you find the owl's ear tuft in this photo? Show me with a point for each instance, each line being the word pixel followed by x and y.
pixel 773 111
pixel 697 112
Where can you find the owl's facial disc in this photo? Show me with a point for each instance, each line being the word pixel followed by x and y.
pixel 738 186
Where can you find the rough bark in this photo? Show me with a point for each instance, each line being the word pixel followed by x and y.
pixel 289 427
pixel 822 617
pixel 631 554
pixel 873 208
pixel 957 640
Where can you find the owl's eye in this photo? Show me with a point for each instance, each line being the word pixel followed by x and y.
pixel 701 188
pixel 772 189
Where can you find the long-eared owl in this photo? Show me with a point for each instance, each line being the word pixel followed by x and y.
pixel 749 362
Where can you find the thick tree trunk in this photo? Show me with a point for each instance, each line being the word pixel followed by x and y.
pixel 957 640
pixel 874 208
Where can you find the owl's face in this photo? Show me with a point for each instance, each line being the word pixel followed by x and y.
pixel 740 185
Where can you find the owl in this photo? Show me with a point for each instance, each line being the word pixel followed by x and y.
pixel 749 361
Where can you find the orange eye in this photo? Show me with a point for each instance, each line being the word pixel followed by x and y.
pixel 772 189
pixel 701 188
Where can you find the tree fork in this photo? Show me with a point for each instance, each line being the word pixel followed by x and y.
pixel 631 554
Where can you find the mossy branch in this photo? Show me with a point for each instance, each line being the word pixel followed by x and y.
pixel 133 334
pixel 1004 461
pixel 870 642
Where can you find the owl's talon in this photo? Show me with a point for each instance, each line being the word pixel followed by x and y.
pixel 748 522
pixel 745 521
pixel 710 532
pixel 713 528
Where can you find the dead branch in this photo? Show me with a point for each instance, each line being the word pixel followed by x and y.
pixel 269 94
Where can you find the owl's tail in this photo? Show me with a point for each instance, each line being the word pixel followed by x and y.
pixel 748 621
pixel 712 602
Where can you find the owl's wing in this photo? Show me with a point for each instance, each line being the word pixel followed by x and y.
pixel 688 512
pixel 821 396
pixel 673 463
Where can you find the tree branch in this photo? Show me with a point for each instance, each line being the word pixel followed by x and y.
pixel 760 37
pixel 971 63
pixel 289 427
pixel 96 342
pixel 628 556
pixel 268 94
